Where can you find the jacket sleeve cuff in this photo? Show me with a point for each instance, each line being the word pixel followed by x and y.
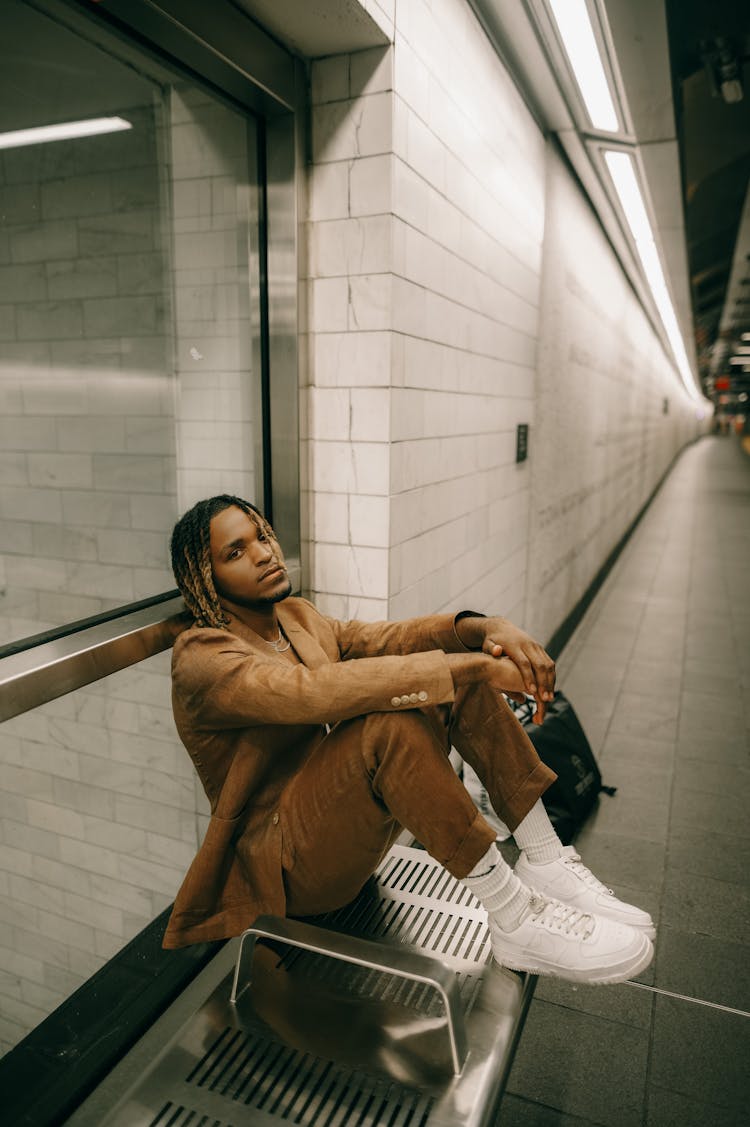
pixel 457 618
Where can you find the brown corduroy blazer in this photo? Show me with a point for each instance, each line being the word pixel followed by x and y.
pixel 249 720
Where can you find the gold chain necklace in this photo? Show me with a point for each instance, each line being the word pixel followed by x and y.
pixel 278 643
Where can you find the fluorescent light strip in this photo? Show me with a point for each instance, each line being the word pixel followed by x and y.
pixel 574 24
pixel 621 170
pixel 64 131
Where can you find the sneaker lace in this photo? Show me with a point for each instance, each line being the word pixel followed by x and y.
pixel 574 862
pixel 556 916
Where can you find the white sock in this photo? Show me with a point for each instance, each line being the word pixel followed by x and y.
pixel 537 837
pixel 497 887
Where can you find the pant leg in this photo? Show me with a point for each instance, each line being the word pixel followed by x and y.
pixel 484 730
pixel 366 780
pixel 375 774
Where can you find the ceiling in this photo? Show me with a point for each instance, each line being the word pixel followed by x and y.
pixel 710 42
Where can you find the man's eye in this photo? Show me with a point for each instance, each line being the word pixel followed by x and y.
pixel 262 536
pixel 234 554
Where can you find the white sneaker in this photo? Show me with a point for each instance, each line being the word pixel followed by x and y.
pixel 568 879
pixel 557 939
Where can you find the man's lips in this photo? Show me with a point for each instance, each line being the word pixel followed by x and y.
pixel 277 569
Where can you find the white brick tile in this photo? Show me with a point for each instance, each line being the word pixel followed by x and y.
pixel 44 241
pixel 22 965
pixel 328 190
pixel 153 512
pixel 19 433
pixel 23 283
pixel 175 853
pixel 29 839
pixel 331 518
pixel 329 79
pixel 155 816
pixel 56 819
pixel 91 858
pixel 82 277
pixel 368 610
pixel 151 876
pixel 120 894
pixel 370 184
pixel 370 414
pixel 357 359
pixel 15 860
pixel 17 780
pixel 359 571
pixel 61 876
pixel 41 996
pixel 27 1016
pixel 369 302
pixel 329 413
pixel 25 571
pixel 84 910
pixel 89 507
pixel 69 932
pixel 330 305
pixel 114 835
pixel 412 79
pixel 350 246
pixel 344 130
pixel 351 467
pixel 371 70
pixel 60 471
pixel 14 469
pixel 36 894
pixel 369 519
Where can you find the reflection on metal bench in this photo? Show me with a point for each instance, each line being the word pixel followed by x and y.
pixel 387 1012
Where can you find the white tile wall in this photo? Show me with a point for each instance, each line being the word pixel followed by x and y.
pixel 601 441
pixel 99 824
pixel 100 810
pixel 349 277
pixel 453 322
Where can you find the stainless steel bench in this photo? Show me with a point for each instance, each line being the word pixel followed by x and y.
pixel 388 1012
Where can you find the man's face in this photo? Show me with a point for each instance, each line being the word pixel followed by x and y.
pixel 248 567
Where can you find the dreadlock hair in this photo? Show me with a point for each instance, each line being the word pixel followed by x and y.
pixel 190 548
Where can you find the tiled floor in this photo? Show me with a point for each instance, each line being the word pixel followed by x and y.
pixel 659 671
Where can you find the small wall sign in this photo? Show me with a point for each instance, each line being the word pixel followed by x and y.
pixel 522 442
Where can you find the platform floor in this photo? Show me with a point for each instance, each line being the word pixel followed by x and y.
pixel 659 671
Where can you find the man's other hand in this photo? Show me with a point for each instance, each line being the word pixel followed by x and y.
pixel 498 638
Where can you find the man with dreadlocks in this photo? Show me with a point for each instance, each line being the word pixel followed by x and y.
pixel 317 741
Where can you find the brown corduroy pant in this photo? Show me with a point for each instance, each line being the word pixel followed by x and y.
pixel 374 775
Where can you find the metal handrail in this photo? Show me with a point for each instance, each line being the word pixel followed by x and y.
pixel 50 670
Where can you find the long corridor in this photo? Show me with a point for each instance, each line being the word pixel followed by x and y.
pixel 659 672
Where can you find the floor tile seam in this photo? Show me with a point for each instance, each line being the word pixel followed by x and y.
pixel 659 990
pixel 597 1017
pixel 551 1107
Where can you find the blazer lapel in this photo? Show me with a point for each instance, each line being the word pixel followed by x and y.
pixel 306 647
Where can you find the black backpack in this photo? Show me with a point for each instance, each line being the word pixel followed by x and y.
pixel 561 743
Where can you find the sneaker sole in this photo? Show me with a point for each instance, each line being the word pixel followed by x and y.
pixel 603 976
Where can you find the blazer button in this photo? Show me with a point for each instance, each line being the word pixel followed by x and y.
pixel 413 698
pixel 405 699
pixel 275 819
pixel 395 701
pixel 422 695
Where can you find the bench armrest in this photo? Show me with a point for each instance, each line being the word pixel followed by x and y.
pixel 365 953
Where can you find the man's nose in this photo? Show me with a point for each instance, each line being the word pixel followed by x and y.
pixel 263 552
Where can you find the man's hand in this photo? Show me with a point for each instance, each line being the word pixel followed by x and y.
pixel 499 638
